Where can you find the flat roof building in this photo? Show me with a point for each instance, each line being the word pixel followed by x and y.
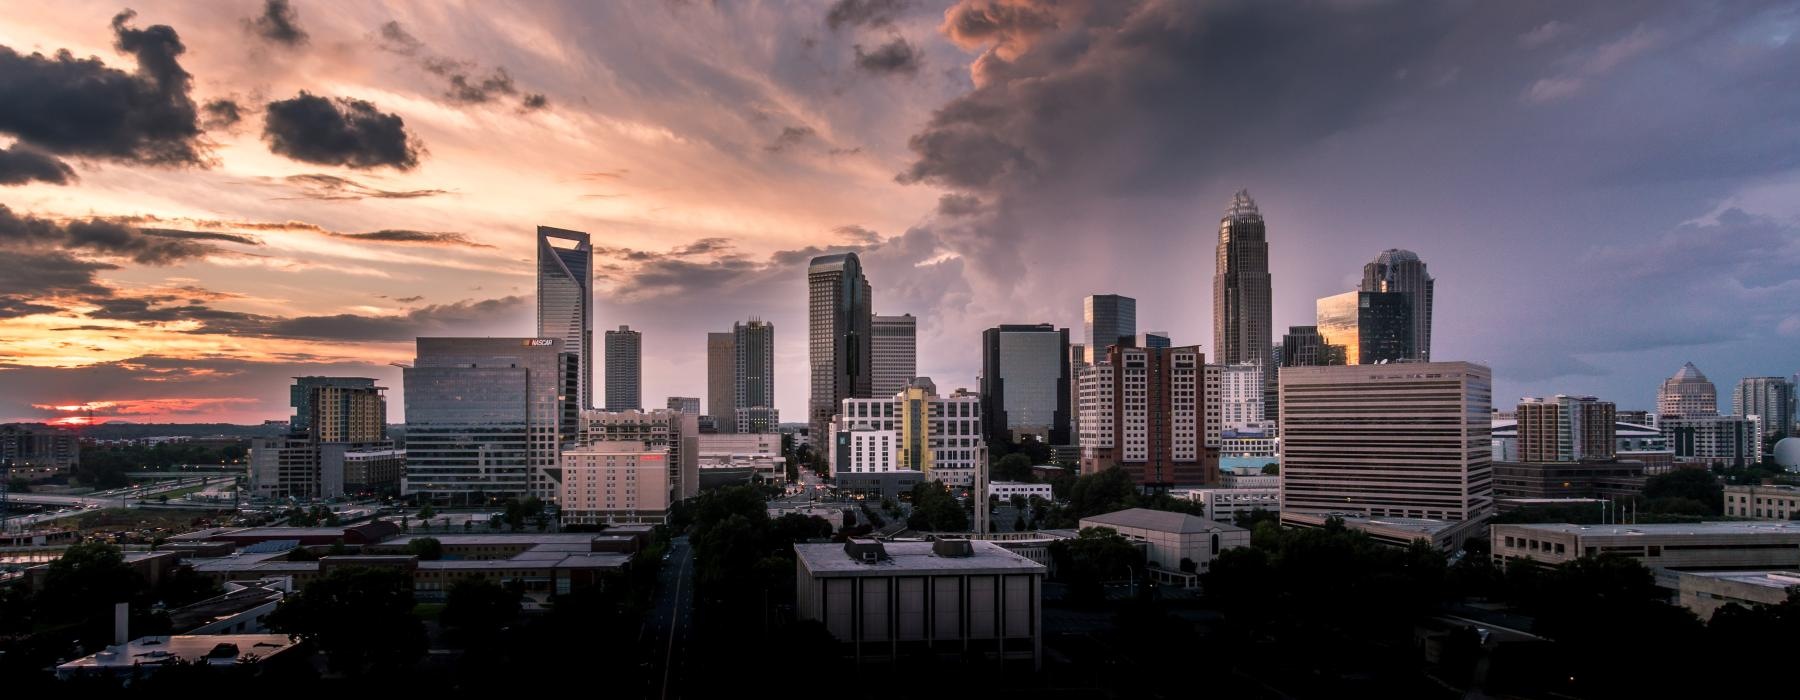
pixel 1704 592
pixel 1760 502
pixel 1170 538
pixel 1708 545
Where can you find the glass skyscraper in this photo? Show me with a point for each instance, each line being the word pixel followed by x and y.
pixel 1371 326
pixel 1105 320
pixel 839 348
pixel 1402 271
pixel 1026 383
pixel 565 290
pixel 624 370
pixel 485 417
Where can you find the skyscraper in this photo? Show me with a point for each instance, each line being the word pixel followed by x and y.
pixel 1771 398
pixel 721 381
pixel 1566 429
pixel 1688 394
pixel 1240 395
pixel 1371 326
pixel 1143 411
pixel 1402 271
pixel 838 336
pixel 689 405
pixel 894 353
pixel 565 291
pixel 1241 306
pixel 624 370
pixel 753 377
pixel 1398 441
pixel 1303 346
pixel 1106 318
pixel 1153 340
pixel 485 417
pixel 1025 383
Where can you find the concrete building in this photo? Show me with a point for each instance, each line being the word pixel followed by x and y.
pixel 886 600
pixel 35 451
pixel 337 444
pixel 624 370
pixel 1026 386
pixel 1687 394
pixel 565 294
pixel 1704 592
pixel 1565 429
pixel 1225 505
pixel 1603 478
pixel 145 656
pixel 1402 271
pixel 615 482
pixel 1447 536
pixel 753 377
pixel 1769 398
pixel 915 431
pixel 1106 319
pixel 1405 440
pixel 1256 441
pixel 894 353
pixel 1713 545
pixel 1240 396
pixel 1005 490
pixel 676 433
pixel 1242 331
pixel 1169 538
pixel 740 444
pixel 1631 443
pixel 1760 502
pixel 1372 327
pixel 486 416
pixel 721 381
pixel 1144 410
pixel 838 336
pixel 684 404
pixel 1732 441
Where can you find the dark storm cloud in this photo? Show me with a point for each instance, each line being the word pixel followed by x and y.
pixel 466 82
pixel 418 237
pixel 278 23
pixel 162 386
pixel 23 164
pixel 896 56
pixel 95 236
pixel 200 235
pixel 222 114
pixel 333 187
pixel 953 205
pixel 425 320
pixel 82 108
pixel 347 132
pixel 31 281
pixel 864 13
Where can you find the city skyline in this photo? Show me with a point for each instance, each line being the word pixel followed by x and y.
pixel 186 273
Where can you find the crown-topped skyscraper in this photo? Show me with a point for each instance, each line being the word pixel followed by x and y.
pixel 1241 306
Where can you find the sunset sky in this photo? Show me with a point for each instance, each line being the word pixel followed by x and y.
pixel 201 200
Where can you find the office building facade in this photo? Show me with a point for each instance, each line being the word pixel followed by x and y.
pixel 1566 429
pixel 721 381
pixel 1372 327
pixel 1401 271
pixel 1025 383
pixel 1404 440
pixel 337 444
pixel 624 370
pixel 893 352
pixel 684 404
pixel 839 324
pixel 34 451
pixel 753 378
pixel 1725 441
pixel 1687 394
pixel 915 431
pixel 1242 331
pixel 485 417
pixel 1240 396
pixel 1769 398
pixel 1105 320
pixel 1303 346
pixel 1144 411
pixel 565 293
pixel 615 482
pixel 676 434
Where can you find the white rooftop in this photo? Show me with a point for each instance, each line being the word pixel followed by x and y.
pixel 160 650
pixel 914 558
pixel 1737 527
pixel 1159 521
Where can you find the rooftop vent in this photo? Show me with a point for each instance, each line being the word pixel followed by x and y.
pixel 865 550
pixel 953 548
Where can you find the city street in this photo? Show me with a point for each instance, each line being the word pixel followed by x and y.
pixel 671 622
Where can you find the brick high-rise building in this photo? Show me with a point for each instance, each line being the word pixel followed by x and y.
pixel 1566 429
pixel 1144 410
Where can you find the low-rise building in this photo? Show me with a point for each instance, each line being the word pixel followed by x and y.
pixel 886 600
pixel 239 610
pixel 146 655
pixel 1005 490
pixel 1606 478
pixel 1224 505
pixel 1709 545
pixel 1730 441
pixel 1446 535
pixel 1773 502
pixel 1171 538
pixel 1704 592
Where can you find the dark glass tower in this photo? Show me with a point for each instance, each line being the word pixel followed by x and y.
pixel 564 294
pixel 1402 271
pixel 839 320
pixel 1025 383
pixel 1241 326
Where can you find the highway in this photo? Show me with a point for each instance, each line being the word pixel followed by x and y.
pixel 115 498
pixel 671 623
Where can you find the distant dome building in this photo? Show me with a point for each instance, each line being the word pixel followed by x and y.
pixel 1787 453
pixel 1687 394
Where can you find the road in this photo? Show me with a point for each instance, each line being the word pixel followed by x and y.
pixel 671 623
pixel 123 497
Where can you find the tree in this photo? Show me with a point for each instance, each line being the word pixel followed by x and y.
pixel 1695 484
pixel 1013 467
pixel 1018 501
pixel 1271 469
pixel 426 548
pixel 360 618
pixel 82 587
pixel 934 509
pixel 1019 523
pixel 477 609
pixel 1095 556
pixel 426 512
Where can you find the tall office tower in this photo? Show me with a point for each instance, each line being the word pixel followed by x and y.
pixel 721 381
pixel 1144 411
pixel 1025 383
pixel 1152 339
pixel 1240 395
pixel 1371 326
pixel 1304 347
pixel 661 429
pixel 1241 307
pixel 685 404
pixel 1770 398
pixel 914 433
pixel 1212 400
pixel 485 417
pixel 753 377
pixel 1106 318
pixel 838 336
pixel 1077 362
pixel 1688 394
pixel 337 443
pixel 1400 441
pixel 1402 271
pixel 894 353
pixel 1566 429
pixel 624 370
pixel 565 291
